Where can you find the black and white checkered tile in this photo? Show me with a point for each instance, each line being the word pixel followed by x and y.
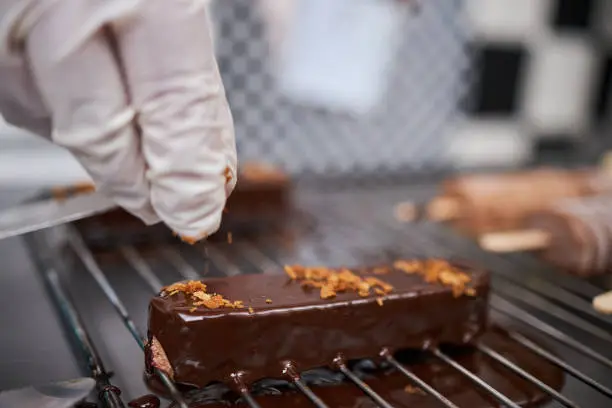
pixel 542 73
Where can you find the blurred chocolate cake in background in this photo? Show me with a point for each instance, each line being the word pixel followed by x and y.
pixel 261 201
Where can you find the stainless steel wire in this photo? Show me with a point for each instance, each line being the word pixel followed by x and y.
pixel 75 241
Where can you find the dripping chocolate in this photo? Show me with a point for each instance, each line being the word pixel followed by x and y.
pixel 270 320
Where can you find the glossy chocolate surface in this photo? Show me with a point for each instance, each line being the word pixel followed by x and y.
pixel 146 401
pixel 391 385
pixel 205 345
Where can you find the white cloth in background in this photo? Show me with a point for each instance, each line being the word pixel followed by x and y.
pixel 336 53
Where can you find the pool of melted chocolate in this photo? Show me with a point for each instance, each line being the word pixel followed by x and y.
pixel 337 392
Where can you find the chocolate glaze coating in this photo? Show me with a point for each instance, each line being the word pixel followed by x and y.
pixel 391 385
pixel 146 401
pixel 205 345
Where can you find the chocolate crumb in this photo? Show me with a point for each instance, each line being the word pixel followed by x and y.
pixel 382 270
pixel 331 282
pixel 227 173
pixel 146 401
pixel 195 291
pixel 439 271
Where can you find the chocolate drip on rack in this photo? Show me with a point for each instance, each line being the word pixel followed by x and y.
pixel 335 390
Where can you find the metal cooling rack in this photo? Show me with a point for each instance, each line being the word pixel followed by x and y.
pixel 98 290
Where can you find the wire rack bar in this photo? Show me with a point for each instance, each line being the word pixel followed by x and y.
pixel 560 363
pixel 290 371
pixel 531 299
pixel 503 306
pixel 143 269
pixel 248 398
pixel 219 258
pixel 107 393
pixel 256 257
pixel 477 380
pixel 522 373
pixel 420 383
pixel 238 378
pixel 305 389
pixel 77 244
pixel 380 401
pixel 175 258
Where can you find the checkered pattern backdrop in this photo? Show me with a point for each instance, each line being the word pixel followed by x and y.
pixel 474 83
pixel 543 82
pixel 409 130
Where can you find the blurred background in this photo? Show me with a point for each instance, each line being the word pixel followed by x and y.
pixel 396 87
pixel 392 88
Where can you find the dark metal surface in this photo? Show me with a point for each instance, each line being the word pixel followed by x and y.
pixel 32 344
pixel 46 213
pixel 62 394
pixel 344 227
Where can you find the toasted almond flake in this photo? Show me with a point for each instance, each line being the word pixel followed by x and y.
pixel 441 272
pixel 195 291
pixel 411 389
pixel 380 301
pixel 268 300
pixel 201 295
pixel 291 272
pixel 327 292
pixel 377 283
pixel 251 311
pixel 408 266
pixel 379 291
pixel 383 270
pixel 331 282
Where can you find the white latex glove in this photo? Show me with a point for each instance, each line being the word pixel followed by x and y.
pixel 154 131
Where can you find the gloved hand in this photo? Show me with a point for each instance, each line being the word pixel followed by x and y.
pixel 145 113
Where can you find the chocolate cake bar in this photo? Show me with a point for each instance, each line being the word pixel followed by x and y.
pixel 262 190
pixel 396 389
pixel 205 331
